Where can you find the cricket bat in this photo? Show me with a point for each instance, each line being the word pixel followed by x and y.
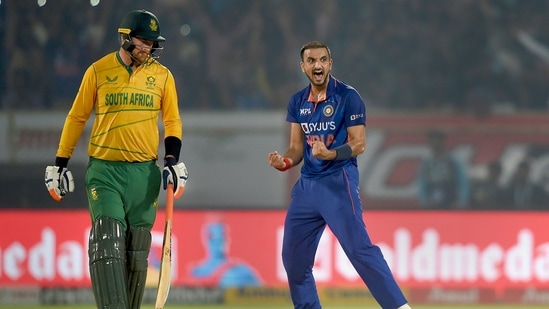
pixel 166 261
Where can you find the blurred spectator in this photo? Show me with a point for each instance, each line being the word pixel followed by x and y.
pixel 18 95
pixel 487 193
pixel 522 193
pixel 225 27
pixel 463 56
pixel 27 62
pixel 67 67
pixel 3 62
pixel 442 179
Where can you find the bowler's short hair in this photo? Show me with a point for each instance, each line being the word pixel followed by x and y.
pixel 313 45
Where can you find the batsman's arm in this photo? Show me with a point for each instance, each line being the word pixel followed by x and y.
pixel 173 126
pixel 81 109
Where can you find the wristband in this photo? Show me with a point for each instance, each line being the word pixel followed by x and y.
pixel 61 162
pixel 170 161
pixel 172 146
pixel 343 152
pixel 287 165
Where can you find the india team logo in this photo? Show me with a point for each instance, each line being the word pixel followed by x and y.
pixel 328 110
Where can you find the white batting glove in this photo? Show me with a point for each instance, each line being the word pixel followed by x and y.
pixel 59 181
pixel 175 174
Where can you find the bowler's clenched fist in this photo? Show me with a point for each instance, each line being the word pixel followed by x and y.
pixel 276 160
pixel 320 151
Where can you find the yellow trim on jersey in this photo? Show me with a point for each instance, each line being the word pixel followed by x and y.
pixel 127 107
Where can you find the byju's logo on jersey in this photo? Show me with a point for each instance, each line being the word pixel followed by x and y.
pixel 304 111
pixel 151 82
pixel 309 128
pixel 328 110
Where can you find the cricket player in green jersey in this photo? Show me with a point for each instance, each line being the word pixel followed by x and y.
pixel 126 90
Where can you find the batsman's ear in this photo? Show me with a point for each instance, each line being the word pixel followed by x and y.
pixel 127 43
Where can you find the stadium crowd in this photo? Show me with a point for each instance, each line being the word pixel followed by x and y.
pixel 404 55
pixel 464 56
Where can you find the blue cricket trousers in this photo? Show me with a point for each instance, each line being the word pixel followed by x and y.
pixel 333 200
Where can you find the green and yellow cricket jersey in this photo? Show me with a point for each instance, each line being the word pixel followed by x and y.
pixel 127 106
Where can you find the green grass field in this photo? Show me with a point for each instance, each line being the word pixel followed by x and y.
pixel 266 306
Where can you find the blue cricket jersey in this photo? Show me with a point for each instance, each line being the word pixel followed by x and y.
pixel 327 121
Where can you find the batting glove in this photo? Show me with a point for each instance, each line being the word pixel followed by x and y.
pixel 176 174
pixel 59 181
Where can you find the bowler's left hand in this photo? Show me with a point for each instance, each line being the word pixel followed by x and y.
pixel 320 151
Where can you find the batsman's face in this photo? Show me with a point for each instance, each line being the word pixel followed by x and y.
pixel 142 49
pixel 316 64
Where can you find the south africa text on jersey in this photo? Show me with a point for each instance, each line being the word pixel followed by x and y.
pixel 125 98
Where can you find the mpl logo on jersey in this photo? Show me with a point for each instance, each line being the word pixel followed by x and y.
pixel 305 111
pixel 396 147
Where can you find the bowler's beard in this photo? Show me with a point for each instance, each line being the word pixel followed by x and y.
pixel 319 83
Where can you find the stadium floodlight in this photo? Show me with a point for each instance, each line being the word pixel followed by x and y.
pixel 41 2
pixel 94 2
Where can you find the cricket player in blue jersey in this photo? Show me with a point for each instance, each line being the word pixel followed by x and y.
pixel 327 131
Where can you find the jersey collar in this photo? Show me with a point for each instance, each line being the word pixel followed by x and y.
pixel 332 82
